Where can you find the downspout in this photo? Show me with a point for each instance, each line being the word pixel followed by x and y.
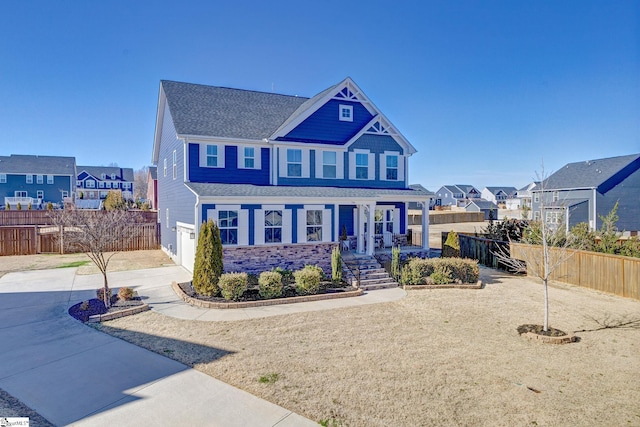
pixel 595 215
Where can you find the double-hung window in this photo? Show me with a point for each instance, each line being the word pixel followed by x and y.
pixel 212 156
pixel 29 179
pixel 392 167
pixel 249 157
pixel 175 164
pixel 294 162
pixel 362 166
pixel 90 184
pixel 39 179
pixel 228 225
pixel 314 225
pixel 273 226
pixel 40 194
pixel 556 196
pixel 49 179
pixel 329 164
pixel 3 178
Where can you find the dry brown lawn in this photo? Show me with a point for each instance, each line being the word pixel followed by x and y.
pixel 436 357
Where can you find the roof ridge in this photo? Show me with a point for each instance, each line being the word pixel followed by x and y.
pixel 235 89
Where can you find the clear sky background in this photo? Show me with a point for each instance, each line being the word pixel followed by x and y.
pixel 485 90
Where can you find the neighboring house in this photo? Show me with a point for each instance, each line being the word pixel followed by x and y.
pixel 524 194
pixel 481 205
pixel 152 187
pixel 281 175
pixel 584 191
pixel 456 195
pixel 507 196
pixel 95 182
pixel 36 180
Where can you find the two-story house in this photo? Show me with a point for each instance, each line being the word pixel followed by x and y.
pixel 36 180
pixel 456 195
pixel 584 191
pixel 502 196
pixel 282 175
pixel 95 182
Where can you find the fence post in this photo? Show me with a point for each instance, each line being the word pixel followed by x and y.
pixel 61 239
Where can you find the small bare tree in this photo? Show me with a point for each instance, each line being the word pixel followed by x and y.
pixel 553 247
pixel 100 234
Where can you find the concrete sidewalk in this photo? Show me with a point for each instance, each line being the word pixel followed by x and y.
pixel 73 375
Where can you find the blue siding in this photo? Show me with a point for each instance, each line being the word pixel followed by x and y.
pixel 294 221
pixel 345 218
pixel 324 126
pixel 230 174
pixel 627 194
pixel 51 192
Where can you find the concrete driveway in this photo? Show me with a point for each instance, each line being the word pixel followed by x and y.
pixel 73 375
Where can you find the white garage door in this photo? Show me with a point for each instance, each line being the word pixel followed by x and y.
pixel 186 247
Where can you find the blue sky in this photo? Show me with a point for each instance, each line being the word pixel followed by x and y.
pixel 485 90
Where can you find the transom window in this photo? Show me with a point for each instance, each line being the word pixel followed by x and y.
pixel 228 225
pixel 314 226
pixel 249 157
pixel 294 162
pixel 346 113
pixel 273 226
pixel 29 179
pixel 329 164
pixel 212 155
pixel 392 168
pixel 362 166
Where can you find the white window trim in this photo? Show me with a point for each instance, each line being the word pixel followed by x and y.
pixel 29 179
pixel 93 184
pixel 165 167
pixel 49 179
pixel 203 156
pixel 320 163
pixel 306 169
pixel 257 156
pixel 302 223
pixel 345 107
pixel 371 172
pixel 243 221
pixel 383 166
pixel 258 238
pixel 174 166
pixel 3 178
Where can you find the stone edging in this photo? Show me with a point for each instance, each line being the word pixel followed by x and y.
pixel 565 339
pixel 449 286
pixel 248 304
pixel 117 314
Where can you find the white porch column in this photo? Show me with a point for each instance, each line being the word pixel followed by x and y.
pixel 425 225
pixel 360 231
pixel 371 229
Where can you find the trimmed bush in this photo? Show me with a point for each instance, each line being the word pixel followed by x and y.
pixel 395 262
pixel 436 270
pixel 287 275
pixel 270 284
pixel 232 285
pixel 125 294
pixel 308 279
pixel 451 248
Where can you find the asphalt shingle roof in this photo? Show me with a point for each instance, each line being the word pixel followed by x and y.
pixel 588 174
pixel 510 191
pixel 247 190
pixel 40 165
pixel 225 112
pixel 125 174
pixel 483 204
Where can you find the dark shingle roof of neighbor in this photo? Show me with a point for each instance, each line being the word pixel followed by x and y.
pixel 40 165
pixel 153 171
pixel 483 204
pixel 247 190
pixel 508 190
pixel 588 174
pixel 126 174
pixel 225 112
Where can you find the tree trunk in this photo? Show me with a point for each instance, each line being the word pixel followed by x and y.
pixel 545 327
pixel 107 299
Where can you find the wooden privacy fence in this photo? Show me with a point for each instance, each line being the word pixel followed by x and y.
pixel 614 274
pixel 453 217
pixel 43 217
pixel 31 240
pixel 480 249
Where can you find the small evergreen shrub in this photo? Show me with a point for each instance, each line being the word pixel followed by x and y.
pixel 451 248
pixel 287 275
pixel 440 271
pixel 308 279
pixel 416 271
pixel 125 294
pixel 208 263
pixel 49 206
pixel 463 270
pixel 441 275
pixel 19 207
pixel 232 285
pixel 270 284
pixel 395 262
pixel 336 265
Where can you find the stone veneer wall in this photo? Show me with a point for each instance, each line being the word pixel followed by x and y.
pixel 256 259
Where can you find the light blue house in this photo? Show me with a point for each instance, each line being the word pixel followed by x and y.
pixel 36 180
pixel 282 175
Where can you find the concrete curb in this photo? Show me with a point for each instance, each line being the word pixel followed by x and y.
pixel 449 286
pixel 117 314
pixel 249 304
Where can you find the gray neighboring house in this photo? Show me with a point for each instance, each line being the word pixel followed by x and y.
pixel 36 180
pixel 481 205
pixel 524 194
pixel 456 195
pixel 583 191
pixel 498 195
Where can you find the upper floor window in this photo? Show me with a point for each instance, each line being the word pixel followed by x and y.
pixel 49 179
pixel 346 113
pixel 556 196
pixel 29 179
pixel 175 164
pixel 329 164
pixel 3 178
pixel 101 184
pixel 273 226
pixel 249 157
pixel 90 184
pixel 536 197
pixel 212 155
pixel 362 166
pixel 113 175
pixel 228 225
pixel 39 179
pixel 314 225
pixel 294 162
pixel 103 176
pixel 392 168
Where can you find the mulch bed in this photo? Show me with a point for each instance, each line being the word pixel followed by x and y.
pixel 96 306
pixel 537 329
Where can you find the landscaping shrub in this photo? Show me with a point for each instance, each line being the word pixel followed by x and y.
pixel 232 285
pixel 451 248
pixel 336 265
pixel 270 284
pixel 100 294
pixel 440 271
pixel 308 279
pixel 208 263
pixel 125 294
pixel 287 275
pixel 395 262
